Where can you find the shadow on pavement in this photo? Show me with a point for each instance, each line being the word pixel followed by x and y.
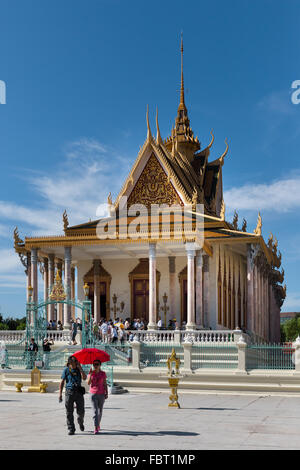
pixel 146 433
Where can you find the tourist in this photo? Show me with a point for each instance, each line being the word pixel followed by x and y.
pixel 159 323
pixel 114 334
pixel 33 350
pixel 98 390
pixel 104 331
pixel 109 332
pixel 72 375
pixel 46 350
pixel 73 331
pixel 59 325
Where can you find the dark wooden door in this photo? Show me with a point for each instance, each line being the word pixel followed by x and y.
pixel 141 299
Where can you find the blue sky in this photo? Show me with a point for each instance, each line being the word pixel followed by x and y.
pixel 79 75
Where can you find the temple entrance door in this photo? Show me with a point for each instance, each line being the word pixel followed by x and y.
pixel 103 302
pixel 141 298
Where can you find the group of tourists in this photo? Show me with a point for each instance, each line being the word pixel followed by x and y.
pixel 55 325
pixel 71 378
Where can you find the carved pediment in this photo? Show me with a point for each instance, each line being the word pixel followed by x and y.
pixel 153 187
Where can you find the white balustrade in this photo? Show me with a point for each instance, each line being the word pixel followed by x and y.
pixel 11 337
pixel 146 336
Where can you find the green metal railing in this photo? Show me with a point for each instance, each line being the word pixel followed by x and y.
pixel 214 356
pixel 270 356
pixel 156 355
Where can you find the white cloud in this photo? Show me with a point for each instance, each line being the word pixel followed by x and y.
pixel 292 302
pixel 278 102
pixel 279 196
pixel 80 184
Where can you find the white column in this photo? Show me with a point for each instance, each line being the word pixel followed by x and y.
pixel 28 272
pixel 172 289
pixel 67 308
pixel 51 267
pixel 206 291
pixel 199 290
pixel 97 292
pixel 60 307
pixel 250 289
pixel 46 279
pixel 34 274
pixel 152 325
pixel 191 324
pixel 34 279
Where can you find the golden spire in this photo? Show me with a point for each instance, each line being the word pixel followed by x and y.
pixel 182 104
pixel 149 135
pixel 158 136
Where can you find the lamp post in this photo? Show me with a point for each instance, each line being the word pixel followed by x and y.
pixel 165 308
pixel 86 316
pixel 114 309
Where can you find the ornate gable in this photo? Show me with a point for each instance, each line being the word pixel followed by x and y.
pixel 153 187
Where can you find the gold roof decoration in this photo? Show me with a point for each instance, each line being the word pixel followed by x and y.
pixel 18 241
pixel 65 220
pixel 244 227
pixel 221 159
pixel 235 220
pixel 257 230
pixel 159 140
pixel 58 291
pixel 149 134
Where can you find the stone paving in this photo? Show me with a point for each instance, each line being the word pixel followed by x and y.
pixel 144 421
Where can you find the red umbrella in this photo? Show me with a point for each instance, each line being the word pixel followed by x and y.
pixel 89 355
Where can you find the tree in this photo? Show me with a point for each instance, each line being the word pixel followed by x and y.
pixel 291 328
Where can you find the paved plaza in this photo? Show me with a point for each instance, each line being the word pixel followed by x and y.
pixel 144 421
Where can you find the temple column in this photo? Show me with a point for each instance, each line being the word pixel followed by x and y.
pixel 152 325
pixel 34 274
pixel 46 279
pixel 51 267
pixel 191 324
pixel 97 313
pixel 28 272
pixel 199 289
pixel 73 289
pixel 206 290
pixel 67 308
pixel 172 288
pixel 60 307
pixel 250 288
pixel 34 279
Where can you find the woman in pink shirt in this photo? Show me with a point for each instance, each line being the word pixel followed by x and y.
pixel 98 390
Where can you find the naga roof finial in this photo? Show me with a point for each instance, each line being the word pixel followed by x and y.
pixel 158 136
pixel 65 220
pixel 257 230
pixel 149 135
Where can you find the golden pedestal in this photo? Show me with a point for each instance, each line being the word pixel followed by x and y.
pixel 173 383
pixel 36 384
pixel 18 386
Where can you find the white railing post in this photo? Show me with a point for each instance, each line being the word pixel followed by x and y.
pixel 296 355
pixel 136 354
pixel 242 348
pixel 187 354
